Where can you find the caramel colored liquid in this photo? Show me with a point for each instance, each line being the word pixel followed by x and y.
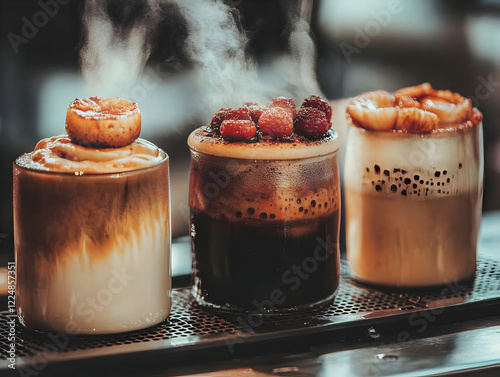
pixel 92 251
pixel 411 243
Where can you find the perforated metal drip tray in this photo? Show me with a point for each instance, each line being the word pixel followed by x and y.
pixel 190 326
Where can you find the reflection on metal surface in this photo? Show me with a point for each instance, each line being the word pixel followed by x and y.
pixel 445 302
pixel 240 372
pixel 467 350
pixel 386 356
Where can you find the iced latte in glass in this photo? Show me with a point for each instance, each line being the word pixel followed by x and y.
pixel 91 217
pixel 413 187
pixel 264 200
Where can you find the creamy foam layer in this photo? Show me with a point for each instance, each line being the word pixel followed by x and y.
pixel 298 148
pixel 123 288
pixel 414 165
pixel 264 190
pixel 59 154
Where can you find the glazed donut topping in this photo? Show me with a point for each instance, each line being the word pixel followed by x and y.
pixel 102 138
pixel 103 122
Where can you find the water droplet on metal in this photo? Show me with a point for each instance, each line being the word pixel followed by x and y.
pixel 387 356
pixel 372 333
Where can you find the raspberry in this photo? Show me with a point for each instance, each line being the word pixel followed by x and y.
pixel 236 129
pixel 320 104
pixel 311 122
pixel 276 122
pixel 285 103
pixel 256 112
pixel 217 119
pixel 242 113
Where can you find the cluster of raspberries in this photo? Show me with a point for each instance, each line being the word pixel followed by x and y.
pixel 278 120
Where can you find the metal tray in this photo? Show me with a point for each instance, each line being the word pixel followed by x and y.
pixel 191 327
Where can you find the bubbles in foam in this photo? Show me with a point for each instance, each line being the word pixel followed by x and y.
pixel 274 190
pixel 416 166
pixel 417 183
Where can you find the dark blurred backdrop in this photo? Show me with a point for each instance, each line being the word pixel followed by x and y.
pixel 361 45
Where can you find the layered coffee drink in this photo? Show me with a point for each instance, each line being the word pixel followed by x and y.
pixel 413 187
pixel 92 217
pixel 264 198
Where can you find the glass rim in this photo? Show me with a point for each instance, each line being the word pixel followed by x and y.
pixel 164 159
pixel 263 151
pixel 436 133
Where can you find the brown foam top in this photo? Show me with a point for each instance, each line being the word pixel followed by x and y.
pixel 295 148
pixel 59 154
pixel 282 190
pixel 283 205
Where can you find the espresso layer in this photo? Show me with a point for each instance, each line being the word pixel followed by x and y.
pixel 240 264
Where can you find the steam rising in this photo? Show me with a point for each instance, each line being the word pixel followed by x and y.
pixel 218 47
pixel 302 60
pixel 113 57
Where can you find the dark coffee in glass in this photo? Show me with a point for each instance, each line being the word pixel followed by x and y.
pixel 264 222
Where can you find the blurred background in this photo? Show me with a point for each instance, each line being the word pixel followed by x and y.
pixel 181 60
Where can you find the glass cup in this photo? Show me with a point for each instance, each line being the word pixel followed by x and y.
pixel 264 224
pixel 92 250
pixel 413 205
